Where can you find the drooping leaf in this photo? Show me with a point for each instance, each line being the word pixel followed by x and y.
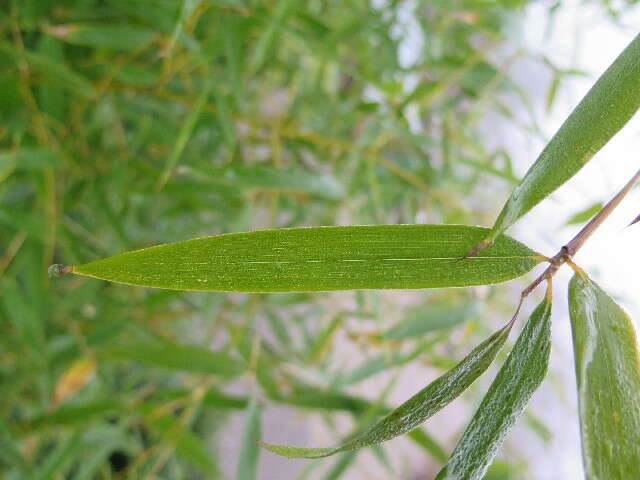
pixel 418 408
pixel 180 357
pixel 321 258
pixel 250 450
pixel 604 110
pixel 608 375
pixel 507 397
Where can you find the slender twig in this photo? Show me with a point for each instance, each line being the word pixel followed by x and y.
pixel 576 243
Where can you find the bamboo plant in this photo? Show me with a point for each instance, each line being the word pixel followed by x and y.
pixel 607 361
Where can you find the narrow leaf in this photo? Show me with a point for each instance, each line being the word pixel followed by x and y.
pixel 430 318
pixel 608 375
pixel 585 215
pixel 295 180
pixel 321 258
pixel 180 357
pixel 604 110
pixel 108 36
pixel 507 397
pixel 418 408
pixel 250 450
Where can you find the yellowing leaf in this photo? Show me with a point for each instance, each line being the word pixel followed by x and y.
pixel 76 377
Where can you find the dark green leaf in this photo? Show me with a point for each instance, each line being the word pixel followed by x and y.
pixel 321 258
pixel 507 397
pixel 418 408
pixel 608 374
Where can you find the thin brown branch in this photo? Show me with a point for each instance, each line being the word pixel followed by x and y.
pixel 570 249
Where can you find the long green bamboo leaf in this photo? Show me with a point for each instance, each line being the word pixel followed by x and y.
pixel 180 357
pixel 604 110
pixel 507 397
pixel 418 408
pixel 321 258
pixel 608 375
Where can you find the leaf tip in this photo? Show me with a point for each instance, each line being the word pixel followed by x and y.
pixel 634 221
pixel 58 270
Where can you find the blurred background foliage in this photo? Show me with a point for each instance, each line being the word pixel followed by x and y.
pixel 128 123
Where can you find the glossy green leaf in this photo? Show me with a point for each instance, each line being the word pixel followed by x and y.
pixel 506 399
pixel 604 110
pixel 180 357
pixel 321 258
pixel 418 408
pixel 608 375
pixel 250 450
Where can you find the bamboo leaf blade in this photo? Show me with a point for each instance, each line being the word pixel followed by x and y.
pixel 608 375
pixel 603 111
pixel 180 357
pixel 321 259
pixel 418 408
pixel 506 399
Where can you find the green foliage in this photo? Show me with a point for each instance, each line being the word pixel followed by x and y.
pixel 506 399
pixel 604 110
pixel 127 124
pixel 180 357
pixel 585 215
pixel 608 375
pixel 325 258
pixel 418 408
